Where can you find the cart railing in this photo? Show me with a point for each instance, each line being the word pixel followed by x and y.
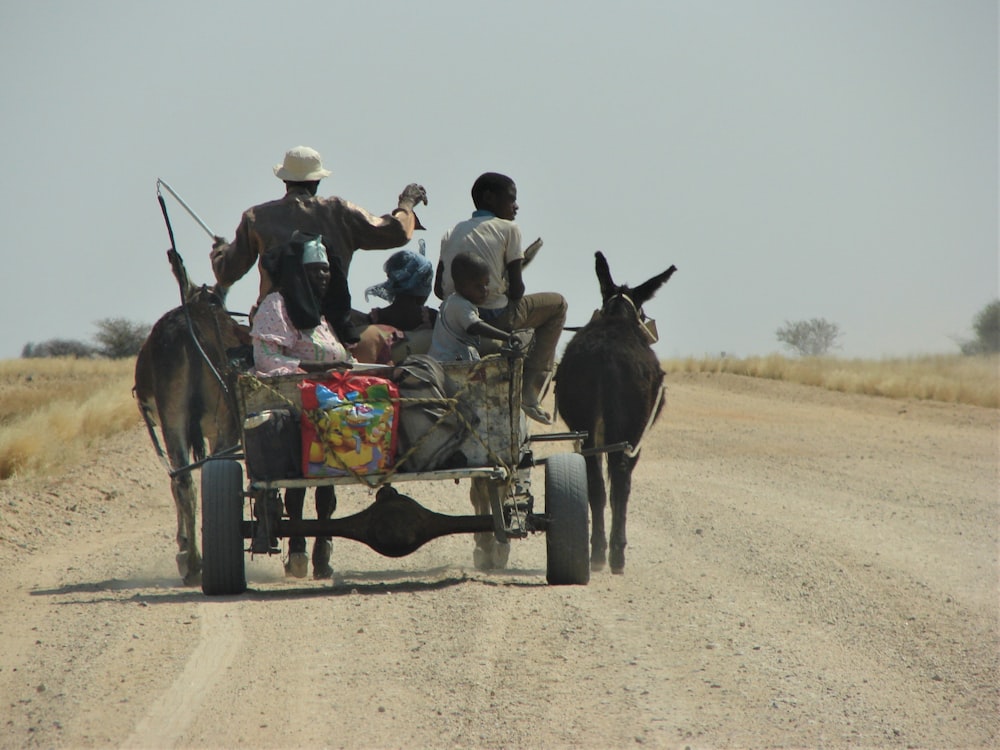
pixel 485 399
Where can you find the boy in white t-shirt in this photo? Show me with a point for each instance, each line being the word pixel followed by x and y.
pixel 492 235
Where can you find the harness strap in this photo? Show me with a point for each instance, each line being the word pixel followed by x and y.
pixel 633 451
pixel 647 325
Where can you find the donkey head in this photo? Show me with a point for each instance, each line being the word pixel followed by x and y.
pixel 213 295
pixel 623 301
pixel 210 295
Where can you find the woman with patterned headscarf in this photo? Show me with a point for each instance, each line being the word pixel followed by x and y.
pixel 406 324
pixel 289 332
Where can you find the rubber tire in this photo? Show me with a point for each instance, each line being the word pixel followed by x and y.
pixel 223 569
pixel 568 512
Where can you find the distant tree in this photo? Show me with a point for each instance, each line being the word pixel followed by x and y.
pixel 58 348
pixel 810 338
pixel 118 338
pixel 987 328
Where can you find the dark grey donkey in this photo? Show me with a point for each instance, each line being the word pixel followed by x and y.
pixel 609 383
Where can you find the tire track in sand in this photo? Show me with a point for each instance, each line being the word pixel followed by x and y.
pixel 173 712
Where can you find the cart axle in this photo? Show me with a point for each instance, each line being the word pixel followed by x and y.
pixel 394 525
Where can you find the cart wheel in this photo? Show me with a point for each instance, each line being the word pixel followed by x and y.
pixel 568 514
pixel 223 570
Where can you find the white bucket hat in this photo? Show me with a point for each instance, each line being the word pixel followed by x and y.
pixel 302 164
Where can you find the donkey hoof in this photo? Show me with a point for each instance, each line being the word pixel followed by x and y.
pixel 322 571
pixel 190 573
pixel 297 565
pixel 617 562
pixel 193 578
pixel 322 549
pixel 501 553
pixel 491 558
pixel 598 559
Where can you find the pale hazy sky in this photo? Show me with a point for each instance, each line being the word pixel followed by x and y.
pixel 794 158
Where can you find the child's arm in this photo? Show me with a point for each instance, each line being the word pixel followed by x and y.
pixel 519 341
pixel 482 328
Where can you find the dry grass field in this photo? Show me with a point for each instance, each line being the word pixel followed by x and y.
pixel 53 410
pixel 948 378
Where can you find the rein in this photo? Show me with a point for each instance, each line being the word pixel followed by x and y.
pixel 633 450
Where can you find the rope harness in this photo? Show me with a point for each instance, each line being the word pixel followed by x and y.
pixel 648 325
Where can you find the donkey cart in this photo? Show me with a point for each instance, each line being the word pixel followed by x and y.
pixel 382 428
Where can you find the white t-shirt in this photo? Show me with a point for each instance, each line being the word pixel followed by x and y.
pixel 495 240
pixel 451 341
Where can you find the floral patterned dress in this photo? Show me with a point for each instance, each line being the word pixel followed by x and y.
pixel 278 346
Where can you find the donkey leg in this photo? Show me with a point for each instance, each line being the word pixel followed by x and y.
pixel 188 554
pixel 326 503
pixel 489 553
pixel 620 473
pixel 597 495
pixel 298 561
pixel 186 502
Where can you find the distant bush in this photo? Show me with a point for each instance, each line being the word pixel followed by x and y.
pixel 987 328
pixel 118 338
pixel 810 338
pixel 58 348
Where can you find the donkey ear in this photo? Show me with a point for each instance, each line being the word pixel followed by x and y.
pixel 645 291
pixel 604 275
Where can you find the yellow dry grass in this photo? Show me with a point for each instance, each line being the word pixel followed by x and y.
pixel 52 411
pixel 949 378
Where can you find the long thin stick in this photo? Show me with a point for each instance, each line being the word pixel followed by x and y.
pixel 187 208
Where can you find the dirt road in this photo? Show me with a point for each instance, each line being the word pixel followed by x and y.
pixel 805 569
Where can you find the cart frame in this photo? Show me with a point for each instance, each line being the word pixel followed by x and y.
pixel 236 506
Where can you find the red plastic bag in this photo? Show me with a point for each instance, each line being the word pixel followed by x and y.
pixel 349 425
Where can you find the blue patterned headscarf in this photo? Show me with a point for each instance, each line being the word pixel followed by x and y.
pixel 407 272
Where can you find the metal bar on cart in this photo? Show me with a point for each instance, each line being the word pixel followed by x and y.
pixel 553 436
pixel 495 473
pixel 233 452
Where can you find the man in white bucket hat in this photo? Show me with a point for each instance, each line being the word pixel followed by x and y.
pixel 344 227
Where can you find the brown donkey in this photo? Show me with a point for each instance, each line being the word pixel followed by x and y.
pixel 177 390
pixel 609 384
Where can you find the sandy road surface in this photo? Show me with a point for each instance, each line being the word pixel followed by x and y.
pixel 805 569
